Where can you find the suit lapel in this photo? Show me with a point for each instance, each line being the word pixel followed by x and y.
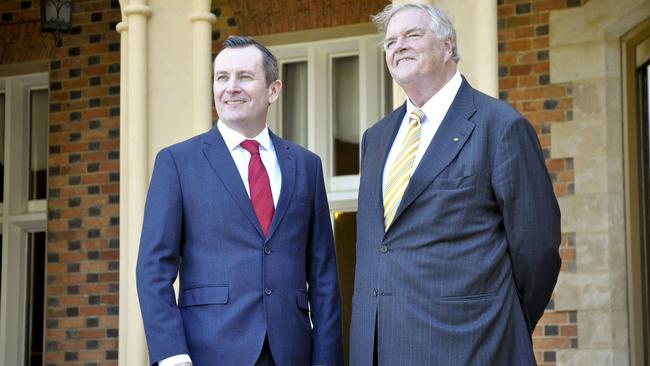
pixel 376 168
pixel 287 162
pixel 452 134
pixel 215 150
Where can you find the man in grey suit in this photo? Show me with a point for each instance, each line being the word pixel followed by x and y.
pixel 458 225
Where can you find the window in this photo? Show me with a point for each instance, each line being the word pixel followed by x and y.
pixel 23 166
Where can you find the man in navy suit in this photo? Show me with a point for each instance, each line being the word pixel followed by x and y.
pixel 458 225
pixel 241 216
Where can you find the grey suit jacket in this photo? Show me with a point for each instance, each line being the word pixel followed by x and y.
pixel 468 266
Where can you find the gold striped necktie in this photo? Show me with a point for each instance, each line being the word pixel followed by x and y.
pixel 400 172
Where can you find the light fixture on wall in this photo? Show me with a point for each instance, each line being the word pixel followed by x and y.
pixel 56 17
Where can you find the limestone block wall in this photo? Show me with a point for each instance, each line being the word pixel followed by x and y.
pixel 584 50
pixel 525 83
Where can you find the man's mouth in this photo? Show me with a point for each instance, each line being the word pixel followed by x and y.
pixel 403 59
pixel 234 101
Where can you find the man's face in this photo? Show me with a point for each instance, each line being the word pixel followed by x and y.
pixel 241 95
pixel 413 52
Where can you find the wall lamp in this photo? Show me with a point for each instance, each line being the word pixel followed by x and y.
pixel 56 17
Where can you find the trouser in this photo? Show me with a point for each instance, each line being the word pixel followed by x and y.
pixel 265 359
pixel 375 355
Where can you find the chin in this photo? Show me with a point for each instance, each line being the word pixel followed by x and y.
pixel 230 117
pixel 405 79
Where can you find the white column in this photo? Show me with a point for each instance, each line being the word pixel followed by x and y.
pixel 476 33
pixel 166 97
pixel 202 20
pixel 133 172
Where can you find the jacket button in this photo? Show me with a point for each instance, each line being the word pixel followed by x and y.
pixel 375 292
pixel 267 291
pixel 383 249
pixel 267 250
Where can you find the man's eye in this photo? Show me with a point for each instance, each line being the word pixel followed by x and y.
pixel 389 44
pixel 414 35
pixel 221 78
pixel 246 77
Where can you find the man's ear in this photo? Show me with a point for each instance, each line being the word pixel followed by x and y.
pixel 449 49
pixel 274 91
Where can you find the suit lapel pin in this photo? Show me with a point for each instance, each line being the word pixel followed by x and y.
pixel 456 139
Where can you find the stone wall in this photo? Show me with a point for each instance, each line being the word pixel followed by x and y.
pixel 585 52
pixel 526 83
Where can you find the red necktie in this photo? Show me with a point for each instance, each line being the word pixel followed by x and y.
pixel 259 186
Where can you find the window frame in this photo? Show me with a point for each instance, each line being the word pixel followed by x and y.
pixel 342 190
pixel 19 216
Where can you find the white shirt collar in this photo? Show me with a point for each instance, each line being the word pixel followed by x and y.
pixel 441 101
pixel 233 138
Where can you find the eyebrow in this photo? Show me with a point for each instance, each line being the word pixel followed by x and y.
pixel 410 30
pixel 239 73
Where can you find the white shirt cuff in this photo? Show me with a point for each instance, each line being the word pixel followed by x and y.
pixel 174 360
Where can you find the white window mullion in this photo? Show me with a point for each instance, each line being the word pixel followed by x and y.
pixel 14 292
pixel 17 147
pixel 319 101
pixel 371 83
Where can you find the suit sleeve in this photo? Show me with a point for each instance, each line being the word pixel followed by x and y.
pixel 327 347
pixel 531 216
pixel 158 262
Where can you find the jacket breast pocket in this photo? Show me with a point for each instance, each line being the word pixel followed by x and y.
pixel 203 295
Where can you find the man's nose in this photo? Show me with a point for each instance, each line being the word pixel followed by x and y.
pixel 233 86
pixel 400 44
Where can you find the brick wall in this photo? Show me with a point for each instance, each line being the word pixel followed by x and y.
pixel 20 36
pixel 83 196
pixel 258 17
pixel 83 178
pixel 524 82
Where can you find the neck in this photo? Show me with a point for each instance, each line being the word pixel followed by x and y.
pixel 248 130
pixel 420 91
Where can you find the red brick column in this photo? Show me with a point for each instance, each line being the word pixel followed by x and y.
pixel 83 190
pixel 524 82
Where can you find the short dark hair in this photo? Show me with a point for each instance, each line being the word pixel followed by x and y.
pixel 269 61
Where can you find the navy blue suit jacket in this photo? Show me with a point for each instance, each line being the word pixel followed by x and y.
pixel 468 265
pixel 236 286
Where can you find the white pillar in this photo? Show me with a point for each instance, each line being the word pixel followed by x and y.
pixel 133 172
pixel 476 32
pixel 166 97
pixel 122 28
pixel 202 20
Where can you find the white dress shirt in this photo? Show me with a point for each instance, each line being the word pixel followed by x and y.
pixel 241 157
pixel 435 110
